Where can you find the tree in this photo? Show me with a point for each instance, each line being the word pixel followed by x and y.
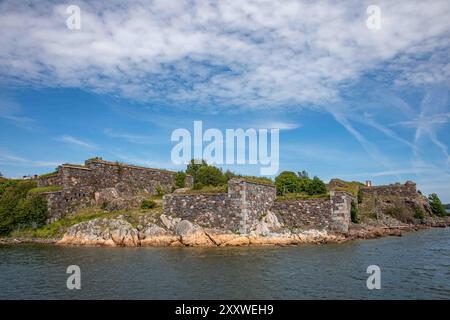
pixel 436 205
pixel 316 186
pixel 209 176
pixel 193 167
pixel 287 182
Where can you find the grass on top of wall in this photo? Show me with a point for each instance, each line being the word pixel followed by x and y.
pixel 208 189
pixel 44 189
pixel 50 174
pixel 301 196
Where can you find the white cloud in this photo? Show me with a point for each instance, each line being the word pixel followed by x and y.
pixel 250 54
pixel 133 138
pixel 77 142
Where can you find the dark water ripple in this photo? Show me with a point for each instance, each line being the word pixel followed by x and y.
pixel 415 266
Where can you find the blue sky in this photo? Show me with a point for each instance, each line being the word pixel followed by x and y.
pixel 350 102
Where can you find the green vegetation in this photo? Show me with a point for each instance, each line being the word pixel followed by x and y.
pixel 159 192
pixel 148 204
pixel 360 196
pixel 301 196
pixel 352 187
pixel 354 213
pixel 50 174
pixel 38 190
pixel 209 189
pixel 436 205
pixel 419 213
pixel 18 208
pixel 288 182
pixel 400 213
pixel 180 179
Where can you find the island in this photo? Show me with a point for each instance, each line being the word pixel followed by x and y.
pixel 116 204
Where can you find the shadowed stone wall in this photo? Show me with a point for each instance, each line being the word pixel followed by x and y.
pixel 328 213
pixel 80 184
pixel 238 210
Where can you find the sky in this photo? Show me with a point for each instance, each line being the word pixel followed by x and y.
pixel 350 101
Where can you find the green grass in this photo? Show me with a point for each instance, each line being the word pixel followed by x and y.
pixel 258 180
pixel 351 187
pixel 44 189
pixel 50 174
pixel 57 229
pixel 208 189
pixel 301 196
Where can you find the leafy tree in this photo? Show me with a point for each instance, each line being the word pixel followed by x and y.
pixel 18 207
pixel 287 182
pixel 209 176
pixel 316 186
pixel 360 196
pixel 436 205
pixel 193 167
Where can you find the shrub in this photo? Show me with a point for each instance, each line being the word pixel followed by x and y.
pixel 209 176
pixel 436 205
pixel 360 196
pixel 148 204
pixel 419 213
pixel 180 179
pixel 104 205
pixel 354 213
pixel 400 213
pixel 159 191
pixel 192 168
pixel 19 208
pixel 316 186
pixel 287 182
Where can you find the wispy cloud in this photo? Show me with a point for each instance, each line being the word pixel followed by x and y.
pixel 77 142
pixel 133 138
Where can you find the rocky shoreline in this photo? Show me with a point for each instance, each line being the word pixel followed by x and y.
pixel 175 232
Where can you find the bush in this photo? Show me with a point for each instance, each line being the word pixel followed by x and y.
pixel 209 176
pixel 436 205
pixel 18 208
pixel 159 192
pixel 104 205
pixel 287 182
pixel 354 213
pixel 180 179
pixel 360 196
pixel 419 213
pixel 316 186
pixel 148 204
pixel 192 168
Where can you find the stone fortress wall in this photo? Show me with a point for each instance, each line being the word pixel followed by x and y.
pixel 238 210
pixel 82 186
pixel 246 203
